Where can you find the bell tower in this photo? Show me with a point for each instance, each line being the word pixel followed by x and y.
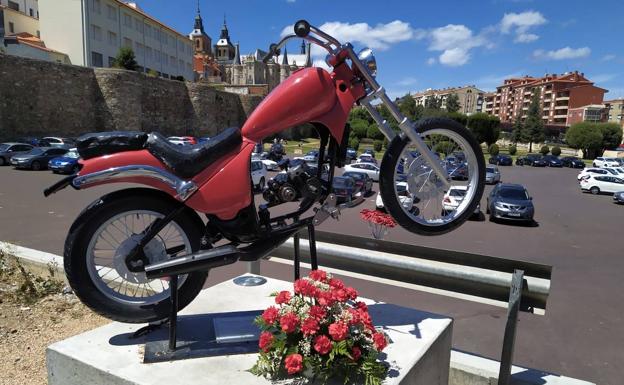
pixel 202 43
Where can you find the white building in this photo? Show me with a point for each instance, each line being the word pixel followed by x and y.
pixel 29 7
pixel 92 31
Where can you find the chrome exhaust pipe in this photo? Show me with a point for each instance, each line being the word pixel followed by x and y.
pixel 201 261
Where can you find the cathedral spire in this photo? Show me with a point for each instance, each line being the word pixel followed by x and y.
pixel 285 57
pixel 199 24
pixel 225 34
pixel 237 55
pixel 303 47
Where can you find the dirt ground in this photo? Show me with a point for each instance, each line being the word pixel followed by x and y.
pixel 31 318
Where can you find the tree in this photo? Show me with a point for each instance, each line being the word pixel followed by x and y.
pixel 611 135
pixel 493 149
pixel 458 117
pixel 513 149
pixel 517 131
pixel 354 143
pixel 452 103
pixel 407 106
pixel 556 151
pixel 359 128
pixel 544 150
pixel 374 133
pixel 533 125
pixel 152 73
pixel 125 59
pixel 585 136
pixel 377 145
pixel 433 102
pixel 485 128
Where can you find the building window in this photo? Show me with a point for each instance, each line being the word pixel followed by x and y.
pixel 139 49
pixel 111 61
pixel 11 27
pixel 97 32
pixel 148 53
pixel 148 30
pixel 111 12
pixel 157 56
pixel 127 20
pixel 13 5
pixel 127 42
pixel 97 6
pixel 138 25
pixel 112 38
pixel 164 38
pixel 96 59
pixel 31 13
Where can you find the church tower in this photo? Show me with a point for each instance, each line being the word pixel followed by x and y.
pixel 224 49
pixel 202 43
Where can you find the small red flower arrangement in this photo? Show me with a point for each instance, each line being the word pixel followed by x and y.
pixel 320 332
pixel 379 222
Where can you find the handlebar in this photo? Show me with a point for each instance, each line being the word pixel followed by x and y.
pixel 302 29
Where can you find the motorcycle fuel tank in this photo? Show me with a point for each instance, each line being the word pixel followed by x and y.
pixel 305 95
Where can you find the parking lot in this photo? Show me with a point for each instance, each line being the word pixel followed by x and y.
pixel 578 234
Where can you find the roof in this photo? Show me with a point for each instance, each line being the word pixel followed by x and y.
pixel 31 41
pixel 134 7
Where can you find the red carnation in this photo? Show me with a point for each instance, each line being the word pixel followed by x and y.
pixel 356 353
pixel 379 339
pixel 361 305
pixel 309 327
pixel 304 287
pixel 282 297
pixel 293 363
pixel 270 315
pixel 336 283
pixel 289 322
pixel 338 331
pixel 366 319
pixel 318 275
pixel 355 316
pixel 317 312
pixel 325 298
pixel 322 345
pixel 339 295
pixel 351 293
pixel 266 339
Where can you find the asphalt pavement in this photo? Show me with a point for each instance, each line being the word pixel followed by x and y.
pixel 581 335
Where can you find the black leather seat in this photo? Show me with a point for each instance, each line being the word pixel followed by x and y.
pixel 103 143
pixel 188 161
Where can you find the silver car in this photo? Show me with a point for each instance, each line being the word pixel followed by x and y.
pixel 7 150
pixel 492 175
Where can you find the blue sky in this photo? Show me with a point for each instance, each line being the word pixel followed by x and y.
pixel 436 44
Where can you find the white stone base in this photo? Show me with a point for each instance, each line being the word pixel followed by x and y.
pixel 419 352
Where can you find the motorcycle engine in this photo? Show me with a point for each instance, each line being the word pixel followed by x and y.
pixel 296 182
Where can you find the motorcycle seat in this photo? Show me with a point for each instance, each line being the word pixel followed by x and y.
pixel 188 161
pixel 97 144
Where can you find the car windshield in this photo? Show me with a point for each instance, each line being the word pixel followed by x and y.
pixel 73 154
pixel 35 151
pixel 490 169
pixel 4 147
pixel 513 193
pixel 401 188
pixel 457 193
pixel 341 182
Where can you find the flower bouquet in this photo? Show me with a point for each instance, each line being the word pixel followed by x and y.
pixel 319 332
pixel 378 222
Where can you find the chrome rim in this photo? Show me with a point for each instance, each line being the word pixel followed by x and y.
pixel 424 201
pixel 109 245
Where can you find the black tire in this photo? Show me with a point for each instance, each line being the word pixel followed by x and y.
pixel 35 165
pixel 389 164
pixel 594 190
pixel 2 161
pixel 83 230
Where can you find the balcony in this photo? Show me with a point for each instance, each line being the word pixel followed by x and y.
pixel 559 98
pixel 561 107
pixel 564 116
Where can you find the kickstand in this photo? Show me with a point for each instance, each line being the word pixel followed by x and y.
pixel 312 242
pixel 313 258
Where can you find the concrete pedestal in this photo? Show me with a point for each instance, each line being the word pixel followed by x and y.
pixel 419 352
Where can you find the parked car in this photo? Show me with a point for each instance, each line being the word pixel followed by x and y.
pixel 7 150
pixel 501 160
pixel 55 141
pixel 311 156
pixel 313 170
pixel 37 158
pixel 552 161
pixel 406 198
pixel 457 171
pixel 372 170
pixel 28 140
pixel 605 162
pixel 366 158
pixel 492 175
pixel 618 197
pixel 362 180
pixel 510 201
pixel 597 184
pixel 453 198
pixel 351 154
pixel 258 174
pixel 345 188
pixel 595 171
pixel 66 164
pixel 617 170
pixel 534 160
pixel 572 162
pixel 270 165
pixel 182 140
pixel 369 152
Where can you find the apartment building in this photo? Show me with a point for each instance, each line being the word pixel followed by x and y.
pixel 92 31
pixel 470 98
pixel 559 94
pixel 19 17
pixel 615 111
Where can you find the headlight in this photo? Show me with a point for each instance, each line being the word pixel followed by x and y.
pixel 499 206
pixel 368 59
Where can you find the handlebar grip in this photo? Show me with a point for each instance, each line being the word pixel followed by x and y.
pixel 302 28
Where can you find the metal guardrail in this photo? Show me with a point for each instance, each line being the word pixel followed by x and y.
pixel 472 274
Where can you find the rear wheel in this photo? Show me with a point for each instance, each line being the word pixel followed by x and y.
pixel 404 171
pixel 2 161
pixel 594 190
pixel 36 166
pixel 100 238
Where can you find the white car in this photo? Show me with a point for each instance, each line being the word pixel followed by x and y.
pixel 618 170
pixel 407 199
pixel 366 158
pixel 258 174
pixel 372 170
pixel 180 141
pixel 595 171
pixel 596 184
pixel 605 162
pixel 492 174
pixel 56 141
pixel 270 165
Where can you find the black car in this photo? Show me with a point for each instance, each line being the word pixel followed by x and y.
pixel 362 180
pixel 37 158
pixel 552 161
pixel 534 160
pixel 510 201
pixel 572 162
pixel 344 188
pixel 8 150
pixel 618 197
pixel 501 160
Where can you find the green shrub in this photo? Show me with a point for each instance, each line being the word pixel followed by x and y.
pixel 359 128
pixel 556 151
pixel 374 133
pixel 494 150
pixel 377 145
pixel 443 147
pixel 125 59
pixel 544 150
pixel 513 149
pixel 354 143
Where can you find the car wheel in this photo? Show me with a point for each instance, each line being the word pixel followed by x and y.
pixel 2 161
pixel 492 218
pixel 35 166
pixel 594 190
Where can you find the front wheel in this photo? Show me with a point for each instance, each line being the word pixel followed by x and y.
pixel 101 236
pixel 405 176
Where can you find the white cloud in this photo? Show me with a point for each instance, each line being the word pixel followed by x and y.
pixel 562 53
pixel 608 57
pixel 490 82
pixel 520 24
pixel 455 41
pixel 431 61
pixel 408 81
pixel 290 1
pixel 526 38
pixel 455 57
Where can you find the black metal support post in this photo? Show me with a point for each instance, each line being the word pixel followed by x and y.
pixel 312 242
pixel 297 259
pixel 515 296
pixel 173 316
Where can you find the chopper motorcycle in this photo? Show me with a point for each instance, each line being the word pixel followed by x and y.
pixel 123 248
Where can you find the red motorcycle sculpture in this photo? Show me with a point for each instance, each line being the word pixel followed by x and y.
pixel 121 249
